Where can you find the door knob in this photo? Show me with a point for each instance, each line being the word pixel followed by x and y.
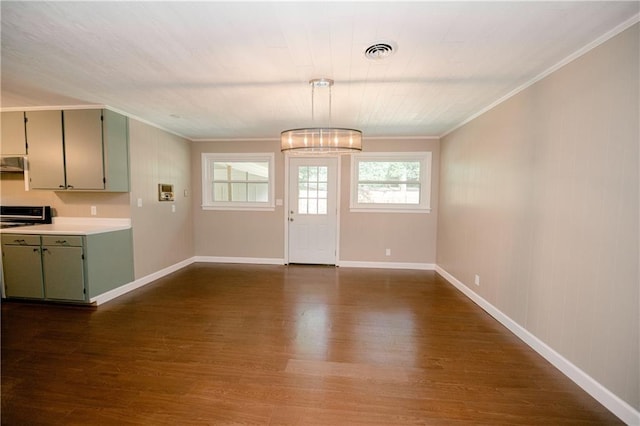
pixel 290 219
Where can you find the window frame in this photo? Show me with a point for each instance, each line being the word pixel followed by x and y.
pixel 207 181
pixel 425 159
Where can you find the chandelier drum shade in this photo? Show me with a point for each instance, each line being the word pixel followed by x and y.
pixel 319 140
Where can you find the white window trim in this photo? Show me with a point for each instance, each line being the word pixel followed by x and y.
pixel 425 183
pixel 208 204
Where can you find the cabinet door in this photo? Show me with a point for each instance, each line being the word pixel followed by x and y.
pixel 63 269
pixel 46 158
pixel 13 140
pixel 115 137
pixel 83 149
pixel 22 271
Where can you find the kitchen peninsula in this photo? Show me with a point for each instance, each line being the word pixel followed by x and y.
pixel 72 260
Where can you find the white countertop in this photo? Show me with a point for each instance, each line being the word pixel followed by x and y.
pixel 73 226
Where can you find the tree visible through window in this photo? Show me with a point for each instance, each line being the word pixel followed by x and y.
pixel 391 181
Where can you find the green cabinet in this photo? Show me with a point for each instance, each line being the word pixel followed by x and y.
pixel 84 164
pixel 22 265
pixel 70 268
pixel 46 151
pixel 78 150
pixel 12 140
pixel 63 267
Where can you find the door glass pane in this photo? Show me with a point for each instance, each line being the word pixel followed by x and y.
pixel 312 189
pixel 303 174
pixel 302 206
pixel 322 174
pixel 302 190
pixel 322 206
pixel 313 206
pixel 313 174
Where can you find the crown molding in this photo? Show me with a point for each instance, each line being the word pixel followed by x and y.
pixel 575 55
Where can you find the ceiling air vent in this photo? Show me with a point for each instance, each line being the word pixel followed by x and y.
pixel 380 50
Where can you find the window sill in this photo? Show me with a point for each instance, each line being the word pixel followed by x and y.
pixel 386 210
pixel 240 208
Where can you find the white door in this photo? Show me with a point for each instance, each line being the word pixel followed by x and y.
pixel 313 210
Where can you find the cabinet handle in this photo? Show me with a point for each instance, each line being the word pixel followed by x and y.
pixel 19 241
pixel 37 250
pixel 61 186
pixel 61 241
pixel 69 186
pixel 45 249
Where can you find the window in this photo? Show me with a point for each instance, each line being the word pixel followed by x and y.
pixel 391 182
pixel 237 181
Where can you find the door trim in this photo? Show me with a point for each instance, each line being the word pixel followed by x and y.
pixel 287 165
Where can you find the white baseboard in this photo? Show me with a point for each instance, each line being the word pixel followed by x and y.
pixel 613 403
pixel 387 265
pixel 141 282
pixel 254 260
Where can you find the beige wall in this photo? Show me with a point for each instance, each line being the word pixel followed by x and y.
pixel 244 234
pixel 161 238
pixel 410 236
pixel 539 196
pixel 69 204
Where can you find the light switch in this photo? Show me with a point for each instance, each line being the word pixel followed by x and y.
pixel 139 202
pixel 173 208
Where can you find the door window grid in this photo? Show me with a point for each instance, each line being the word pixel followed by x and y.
pixel 312 190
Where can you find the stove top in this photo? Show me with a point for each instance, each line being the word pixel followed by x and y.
pixel 14 216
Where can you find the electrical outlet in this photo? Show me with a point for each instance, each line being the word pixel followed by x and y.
pixel 476 280
pixel 94 211
pixel 387 252
pixel 173 208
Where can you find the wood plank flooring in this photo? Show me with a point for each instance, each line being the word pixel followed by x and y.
pixel 278 345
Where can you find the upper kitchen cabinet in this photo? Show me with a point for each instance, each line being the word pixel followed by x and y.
pixel 46 150
pixel 115 134
pixel 94 145
pixel 84 164
pixel 13 140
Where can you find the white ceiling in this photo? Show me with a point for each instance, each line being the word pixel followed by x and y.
pixel 219 70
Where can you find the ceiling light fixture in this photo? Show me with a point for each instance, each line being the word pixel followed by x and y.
pixel 321 140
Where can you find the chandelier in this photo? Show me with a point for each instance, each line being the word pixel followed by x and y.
pixel 321 139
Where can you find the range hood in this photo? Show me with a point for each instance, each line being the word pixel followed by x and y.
pixel 11 164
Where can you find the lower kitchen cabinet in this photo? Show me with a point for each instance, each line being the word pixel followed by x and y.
pixel 22 265
pixel 72 268
pixel 63 267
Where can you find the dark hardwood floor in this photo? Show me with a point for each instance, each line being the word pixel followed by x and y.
pixel 299 345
